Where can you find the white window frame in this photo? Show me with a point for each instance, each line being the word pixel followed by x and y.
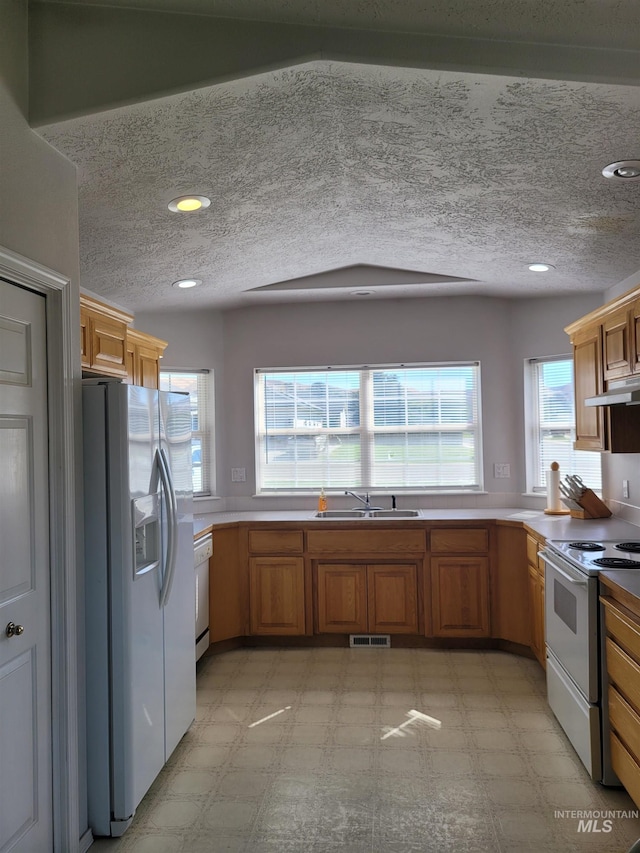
pixel 535 471
pixel 366 429
pixel 206 422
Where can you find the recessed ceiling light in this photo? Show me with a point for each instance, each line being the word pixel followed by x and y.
pixel 623 170
pixel 185 283
pixel 539 267
pixel 189 203
pixel 361 292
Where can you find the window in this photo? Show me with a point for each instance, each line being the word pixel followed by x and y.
pixel 198 384
pixel 390 427
pixel 551 419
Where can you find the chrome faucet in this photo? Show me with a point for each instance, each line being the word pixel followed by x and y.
pixel 364 500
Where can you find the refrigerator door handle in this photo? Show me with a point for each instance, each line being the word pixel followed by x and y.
pixel 172 528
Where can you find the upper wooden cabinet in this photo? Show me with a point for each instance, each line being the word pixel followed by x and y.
pixel 606 349
pixel 103 335
pixel 110 347
pixel 143 359
pixel 616 345
pixel 588 381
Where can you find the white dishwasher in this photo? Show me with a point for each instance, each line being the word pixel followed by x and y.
pixel 202 551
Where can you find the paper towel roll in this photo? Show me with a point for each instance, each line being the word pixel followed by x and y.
pixel 553 489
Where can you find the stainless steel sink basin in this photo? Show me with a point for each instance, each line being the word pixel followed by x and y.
pixel 341 513
pixel 395 513
pixel 374 513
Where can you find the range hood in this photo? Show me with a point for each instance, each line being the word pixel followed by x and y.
pixel 623 393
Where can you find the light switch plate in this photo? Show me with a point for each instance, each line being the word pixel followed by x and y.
pixel 501 470
pixel 238 475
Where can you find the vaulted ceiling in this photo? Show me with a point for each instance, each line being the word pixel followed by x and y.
pixel 330 177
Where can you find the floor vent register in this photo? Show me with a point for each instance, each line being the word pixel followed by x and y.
pixel 369 641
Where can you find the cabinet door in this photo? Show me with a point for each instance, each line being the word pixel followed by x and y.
pixel 228 600
pixel 342 598
pixel 277 595
pixel 147 367
pixel 537 630
pixel 616 345
pixel 85 343
pixel 392 592
pixel 107 345
pixel 587 365
pixel 460 596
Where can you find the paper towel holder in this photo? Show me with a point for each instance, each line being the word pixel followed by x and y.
pixel 553 500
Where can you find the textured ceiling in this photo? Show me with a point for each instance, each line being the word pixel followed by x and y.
pixel 464 178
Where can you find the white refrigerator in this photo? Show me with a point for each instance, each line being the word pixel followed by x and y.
pixel 139 591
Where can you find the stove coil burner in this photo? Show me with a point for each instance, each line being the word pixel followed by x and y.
pixel 616 563
pixel 589 546
pixel 633 547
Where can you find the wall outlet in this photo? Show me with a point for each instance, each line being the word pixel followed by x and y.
pixel 238 475
pixel 501 470
pixel 625 488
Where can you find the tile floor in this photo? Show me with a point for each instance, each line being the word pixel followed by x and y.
pixel 316 751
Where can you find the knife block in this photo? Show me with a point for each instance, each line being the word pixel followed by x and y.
pixel 592 506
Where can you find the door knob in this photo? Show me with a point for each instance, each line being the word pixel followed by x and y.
pixel 13 630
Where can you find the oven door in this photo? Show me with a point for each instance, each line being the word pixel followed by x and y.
pixel 571 622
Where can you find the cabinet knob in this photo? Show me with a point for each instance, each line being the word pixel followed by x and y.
pixel 13 630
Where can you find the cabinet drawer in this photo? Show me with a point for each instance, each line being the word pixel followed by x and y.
pixel 624 673
pixel 533 546
pixel 359 542
pixel 459 540
pixel 276 541
pixel 623 627
pixel 626 768
pixel 625 722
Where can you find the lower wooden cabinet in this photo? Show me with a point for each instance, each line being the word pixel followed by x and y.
pixel 375 598
pixel 622 625
pixel 460 596
pixel 536 613
pixel 536 598
pixel 228 599
pixel 277 595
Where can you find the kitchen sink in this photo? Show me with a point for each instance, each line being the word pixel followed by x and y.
pixel 395 513
pixel 374 513
pixel 341 513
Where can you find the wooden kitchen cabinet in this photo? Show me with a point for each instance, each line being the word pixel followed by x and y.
pixel 460 596
pixel 103 334
pixel 277 595
pixel 536 598
pixel 228 588
pixel 356 598
pixel 509 577
pixel 622 626
pixel 616 344
pixel 606 350
pixel 341 598
pixel 143 359
pixel 588 381
pixel 459 582
pixel 277 581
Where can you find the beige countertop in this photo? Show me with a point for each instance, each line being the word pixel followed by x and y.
pixel 626 579
pixel 549 526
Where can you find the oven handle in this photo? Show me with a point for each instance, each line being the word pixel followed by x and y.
pixel 561 571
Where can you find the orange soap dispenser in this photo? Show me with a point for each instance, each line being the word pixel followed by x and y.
pixel 322 501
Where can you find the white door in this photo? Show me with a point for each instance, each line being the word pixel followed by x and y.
pixel 25 642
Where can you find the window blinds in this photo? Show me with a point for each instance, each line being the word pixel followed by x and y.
pixel 391 427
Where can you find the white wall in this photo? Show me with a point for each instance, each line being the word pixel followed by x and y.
pixel 39 220
pixel 196 340
pixel 500 333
